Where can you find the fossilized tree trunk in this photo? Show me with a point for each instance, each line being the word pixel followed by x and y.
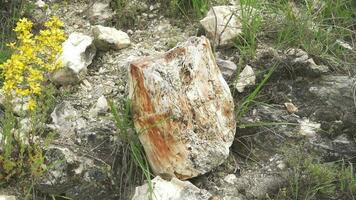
pixel 183 109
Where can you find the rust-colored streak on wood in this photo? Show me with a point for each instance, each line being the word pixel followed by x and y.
pixel 142 63
pixel 174 53
pixel 158 130
pixel 227 110
pixel 141 93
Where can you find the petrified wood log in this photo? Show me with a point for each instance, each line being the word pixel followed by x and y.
pixel 183 110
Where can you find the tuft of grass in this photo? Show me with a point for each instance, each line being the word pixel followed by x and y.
pixel 134 167
pixel 126 13
pixel 309 178
pixel 251 21
pixel 188 8
pixel 200 7
pixel 316 28
pixel 247 101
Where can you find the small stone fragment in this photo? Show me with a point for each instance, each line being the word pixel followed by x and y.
pixel 344 44
pixel 231 179
pixel 63 118
pixel 174 189
pixel 100 107
pixel 40 4
pixel 106 38
pixel 246 78
pixel 281 165
pixel 227 68
pixel 291 108
pixel 306 65
pixel 78 53
pixel 308 128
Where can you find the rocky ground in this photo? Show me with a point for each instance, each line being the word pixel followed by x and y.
pixel 305 108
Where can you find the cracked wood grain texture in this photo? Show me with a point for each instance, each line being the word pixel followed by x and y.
pixel 183 110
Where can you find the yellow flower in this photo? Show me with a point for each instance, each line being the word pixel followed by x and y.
pixel 31 104
pixel 11 45
pixel 33 57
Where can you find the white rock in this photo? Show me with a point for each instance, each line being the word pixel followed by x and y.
pixel 7 197
pixel 174 189
pixel 78 53
pixel 100 107
pixel 308 128
pixel 183 109
pixel 231 179
pixel 342 139
pixel 107 37
pixel 40 4
pixel 222 24
pixel 246 78
pixel 102 104
pixel 227 68
pixel 281 165
pixel 63 118
pixel 344 44
pixel 301 58
pixel 100 13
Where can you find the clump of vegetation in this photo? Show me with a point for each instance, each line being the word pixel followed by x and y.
pixel 133 169
pixel 24 75
pixel 127 11
pixel 318 27
pixel 251 21
pixel 33 56
pixel 10 13
pixel 309 178
pixel 190 7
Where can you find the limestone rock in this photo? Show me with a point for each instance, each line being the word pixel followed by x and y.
pixel 230 179
pixel 100 13
pixel 62 117
pixel 110 38
pixel 78 53
pixel 247 77
pixel 40 4
pixel 344 45
pixel 71 174
pixel 7 197
pixel 183 109
pixel 222 24
pixel 306 65
pixel 174 189
pixel 100 107
pixel 308 128
pixel 227 68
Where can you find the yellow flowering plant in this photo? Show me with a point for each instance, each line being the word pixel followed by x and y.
pixel 33 57
pixel 24 75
